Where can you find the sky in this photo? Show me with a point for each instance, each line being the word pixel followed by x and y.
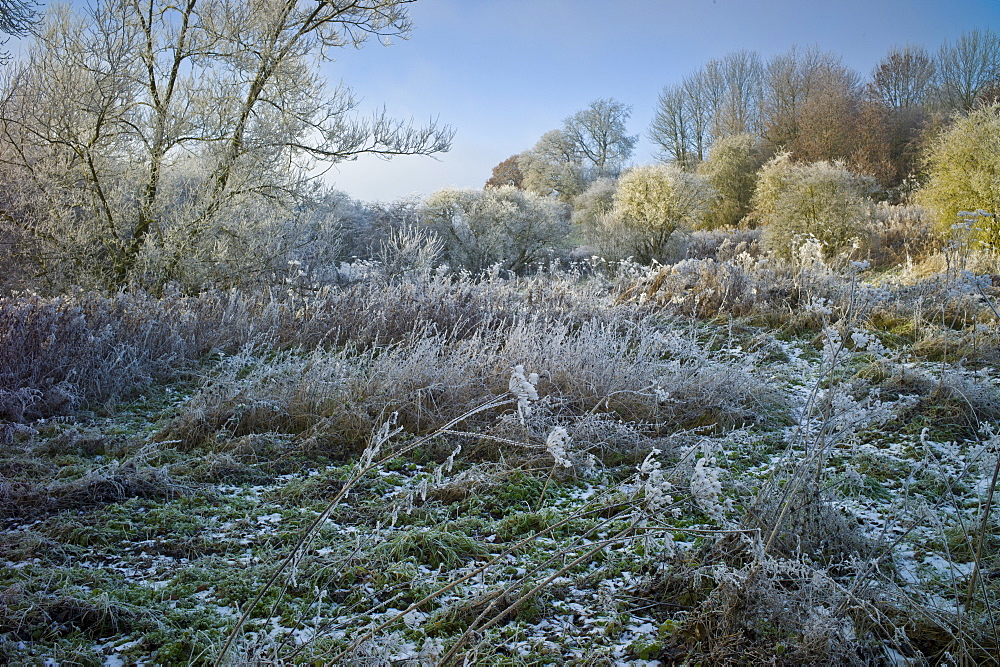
pixel 504 72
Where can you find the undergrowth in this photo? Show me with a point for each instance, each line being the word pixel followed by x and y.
pixel 727 460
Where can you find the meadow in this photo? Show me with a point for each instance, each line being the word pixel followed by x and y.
pixel 731 458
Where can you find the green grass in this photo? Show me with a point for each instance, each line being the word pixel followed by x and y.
pixel 120 542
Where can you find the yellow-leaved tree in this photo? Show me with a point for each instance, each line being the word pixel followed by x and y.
pixel 963 165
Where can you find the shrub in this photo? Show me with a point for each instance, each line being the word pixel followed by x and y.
pixel 594 203
pixel 408 251
pixel 823 200
pixel 731 168
pixel 650 204
pixel 333 399
pixel 74 351
pixel 722 245
pixel 962 168
pixel 501 226
pixel 902 235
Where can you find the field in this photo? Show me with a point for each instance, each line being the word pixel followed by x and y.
pixel 728 459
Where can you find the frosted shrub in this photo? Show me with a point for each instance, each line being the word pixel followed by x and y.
pixel 722 245
pixel 731 168
pixel 650 204
pixel 408 251
pixel 903 235
pixel 84 349
pixel 821 199
pixel 708 287
pixel 503 227
pixel 596 201
pixel 962 167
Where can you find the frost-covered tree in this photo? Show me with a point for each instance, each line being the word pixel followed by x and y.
pixel 598 137
pixel 731 169
pixel 591 144
pixel 650 204
pixel 17 17
pixel 963 166
pixel 822 200
pixel 552 168
pixel 504 226
pixel 143 137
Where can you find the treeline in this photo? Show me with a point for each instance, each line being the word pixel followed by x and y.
pixel 799 145
pixel 812 105
pixel 805 102
pixel 149 144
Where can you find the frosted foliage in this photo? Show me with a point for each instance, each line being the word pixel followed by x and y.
pixel 661 195
pixel 706 487
pixel 523 387
pixel 504 227
pixel 823 200
pixel 557 445
pixel 656 489
pixel 963 173
pixel 650 204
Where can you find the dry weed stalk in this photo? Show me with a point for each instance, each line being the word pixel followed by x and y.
pixel 366 464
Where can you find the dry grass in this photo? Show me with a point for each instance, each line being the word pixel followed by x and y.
pixel 332 399
pixel 274 391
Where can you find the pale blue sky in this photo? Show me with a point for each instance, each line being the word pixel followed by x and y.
pixel 503 72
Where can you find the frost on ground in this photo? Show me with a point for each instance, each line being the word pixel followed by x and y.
pixel 560 469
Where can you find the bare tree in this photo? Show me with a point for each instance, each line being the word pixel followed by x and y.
pixel 703 101
pixel 828 119
pixel 139 126
pixel 673 128
pixel 893 114
pixel 682 121
pixel 786 87
pixel 598 136
pixel 810 101
pixel 902 79
pixel 739 113
pixel 968 69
